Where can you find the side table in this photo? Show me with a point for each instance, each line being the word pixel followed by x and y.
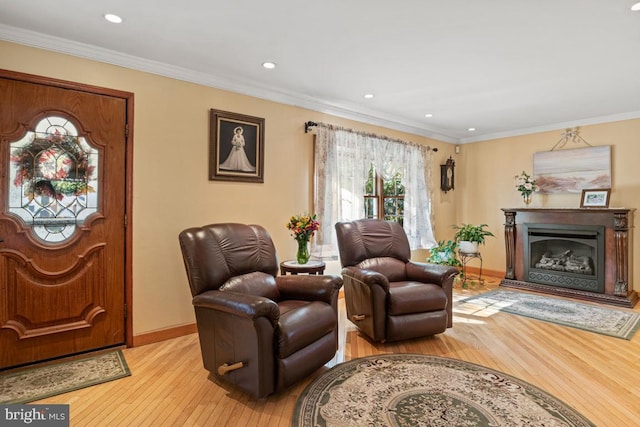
pixel 464 259
pixel 311 267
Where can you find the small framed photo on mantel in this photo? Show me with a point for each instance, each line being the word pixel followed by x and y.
pixel 236 147
pixel 595 198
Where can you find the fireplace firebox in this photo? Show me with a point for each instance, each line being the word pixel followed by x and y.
pixel 567 256
pixel 577 253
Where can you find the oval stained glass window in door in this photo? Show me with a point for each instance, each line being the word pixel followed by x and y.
pixel 53 179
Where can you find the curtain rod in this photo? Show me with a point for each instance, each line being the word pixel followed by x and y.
pixel 308 125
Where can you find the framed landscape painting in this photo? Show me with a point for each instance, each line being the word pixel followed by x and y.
pixel 574 170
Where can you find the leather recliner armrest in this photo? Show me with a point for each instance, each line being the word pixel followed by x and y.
pixel 430 273
pixel 368 277
pixel 249 306
pixel 309 287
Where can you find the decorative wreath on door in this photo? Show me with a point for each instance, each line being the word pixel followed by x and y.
pixel 54 165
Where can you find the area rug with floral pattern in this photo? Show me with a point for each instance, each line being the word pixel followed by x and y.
pixel 589 317
pixel 421 390
pixel 38 383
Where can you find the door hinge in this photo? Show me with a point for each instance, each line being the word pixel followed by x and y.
pixel 126 221
pixel 126 130
pixel 126 313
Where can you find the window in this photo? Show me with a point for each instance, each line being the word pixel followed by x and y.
pixel 362 175
pixel 53 179
pixel 384 199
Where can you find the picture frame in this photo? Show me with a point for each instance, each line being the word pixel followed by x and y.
pixel 236 147
pixel 572 170
pixel 595 198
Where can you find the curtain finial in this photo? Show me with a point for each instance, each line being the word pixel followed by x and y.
pixel 308 125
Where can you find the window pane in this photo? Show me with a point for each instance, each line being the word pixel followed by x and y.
pixel 53 179
pixel 370 207
pixel 370 185
pixel 389 207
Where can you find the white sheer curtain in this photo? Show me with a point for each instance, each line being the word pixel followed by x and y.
pixel 342 161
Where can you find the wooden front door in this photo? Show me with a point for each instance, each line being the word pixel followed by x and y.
pixel 63 189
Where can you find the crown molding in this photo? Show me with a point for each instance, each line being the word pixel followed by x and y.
pixel 86 51
pixel 553 127
pixel 346 111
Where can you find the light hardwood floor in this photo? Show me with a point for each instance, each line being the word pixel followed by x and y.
pixel 597 375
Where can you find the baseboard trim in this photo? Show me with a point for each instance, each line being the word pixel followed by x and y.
pixel 485 272
pixel 164 334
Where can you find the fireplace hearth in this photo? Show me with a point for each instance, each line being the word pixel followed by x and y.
pixel 578 253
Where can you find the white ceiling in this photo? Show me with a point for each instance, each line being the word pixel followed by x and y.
pixel 505 67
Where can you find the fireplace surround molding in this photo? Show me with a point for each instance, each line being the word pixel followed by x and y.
pixel 617 224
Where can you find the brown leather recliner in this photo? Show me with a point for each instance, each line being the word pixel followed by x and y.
pixel 389 297
pixel 258 331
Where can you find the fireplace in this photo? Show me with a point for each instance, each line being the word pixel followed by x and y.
pixel 577 253
pixel 567 256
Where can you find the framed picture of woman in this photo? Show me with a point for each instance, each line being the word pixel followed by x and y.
pixel 236 147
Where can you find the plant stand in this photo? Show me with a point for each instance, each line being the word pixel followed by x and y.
pixel 464 259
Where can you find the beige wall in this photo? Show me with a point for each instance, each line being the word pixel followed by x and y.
pixel 487 183
pixel 172 192
pixel 171 188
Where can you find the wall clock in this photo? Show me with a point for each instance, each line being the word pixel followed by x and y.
pixel 447 174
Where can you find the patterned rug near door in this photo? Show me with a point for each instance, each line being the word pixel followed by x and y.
pixel 46 381
pixel 589 317
pixel 419 390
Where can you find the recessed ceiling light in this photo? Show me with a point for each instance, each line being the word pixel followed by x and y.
pixel 113 18
pixel 636 7
pixel 428 115
pixel 368 95
pixel 269 65
pixel 471 129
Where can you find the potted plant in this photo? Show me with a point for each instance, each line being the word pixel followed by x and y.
pixel 470 236
pixel 444 253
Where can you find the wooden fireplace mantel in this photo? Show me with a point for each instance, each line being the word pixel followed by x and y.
pixel 618 223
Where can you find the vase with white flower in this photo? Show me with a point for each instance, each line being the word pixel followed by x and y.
pixel 526 185
pixel 303 227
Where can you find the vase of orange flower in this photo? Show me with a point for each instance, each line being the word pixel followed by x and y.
pixel 303 227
